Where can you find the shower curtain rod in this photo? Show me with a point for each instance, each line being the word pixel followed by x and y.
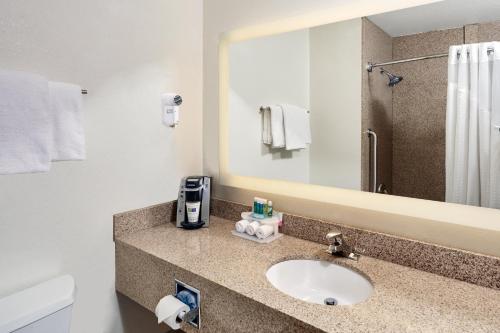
pixel 371 66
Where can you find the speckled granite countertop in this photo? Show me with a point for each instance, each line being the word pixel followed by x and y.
pixel 404 299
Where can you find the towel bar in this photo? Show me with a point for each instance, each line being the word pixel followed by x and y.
pixel 84 92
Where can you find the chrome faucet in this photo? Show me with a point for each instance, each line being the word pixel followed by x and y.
pixel 337 246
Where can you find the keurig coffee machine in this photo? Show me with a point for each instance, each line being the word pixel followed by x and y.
pixel 193 203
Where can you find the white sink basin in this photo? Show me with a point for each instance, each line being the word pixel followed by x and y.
pixel 319 282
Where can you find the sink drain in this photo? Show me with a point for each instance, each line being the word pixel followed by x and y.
pixel 330 301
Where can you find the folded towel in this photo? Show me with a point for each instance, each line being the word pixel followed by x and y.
pixel 264 231
pixel 242 225
pixel 68 139
pixel 25 127
pixel 266 126
pixel 251 228
pixel 277 127
pixel 297 127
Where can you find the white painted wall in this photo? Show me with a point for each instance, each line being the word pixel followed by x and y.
pixel 221 16
pixel 335 97
pixel 125 52
pixel 266 71
pixel 318 69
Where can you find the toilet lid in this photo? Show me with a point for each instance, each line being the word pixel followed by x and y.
pixel 32 304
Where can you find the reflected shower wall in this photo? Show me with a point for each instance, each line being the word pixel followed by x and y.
pixel 419 122
pixel 410 118
pixel 376 106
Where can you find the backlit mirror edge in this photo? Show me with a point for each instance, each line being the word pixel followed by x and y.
pixel 466 227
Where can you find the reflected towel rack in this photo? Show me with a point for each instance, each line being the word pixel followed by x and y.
pixel 267 108
pixel 371 65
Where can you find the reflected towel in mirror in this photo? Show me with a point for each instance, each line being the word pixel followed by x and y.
pixel 297 127
pixel 277 127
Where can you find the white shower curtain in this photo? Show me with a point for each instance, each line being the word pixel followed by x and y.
pixel 472 118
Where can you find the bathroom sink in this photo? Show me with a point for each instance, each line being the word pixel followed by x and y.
pixel 320 282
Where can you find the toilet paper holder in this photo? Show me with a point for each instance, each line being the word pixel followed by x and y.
pixel 193 317
pixel 188 317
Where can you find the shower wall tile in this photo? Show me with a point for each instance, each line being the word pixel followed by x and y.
pixel 471 33
pixel 376 105
pixel 426 43
pixel 419 114
pixel 486 32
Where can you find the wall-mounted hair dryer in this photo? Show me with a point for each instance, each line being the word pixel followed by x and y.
pixel 170 109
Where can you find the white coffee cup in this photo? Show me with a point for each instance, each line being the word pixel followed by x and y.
pixel 193 211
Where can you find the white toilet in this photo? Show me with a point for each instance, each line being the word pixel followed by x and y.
pixel 44 308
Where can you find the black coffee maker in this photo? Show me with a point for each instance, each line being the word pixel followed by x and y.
pixel 193 203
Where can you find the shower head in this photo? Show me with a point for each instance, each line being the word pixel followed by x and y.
pixel 393 79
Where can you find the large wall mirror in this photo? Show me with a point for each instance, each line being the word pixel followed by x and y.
pixel 404 103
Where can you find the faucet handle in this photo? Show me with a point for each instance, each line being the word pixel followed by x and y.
pixel 336 240
pixel 334 236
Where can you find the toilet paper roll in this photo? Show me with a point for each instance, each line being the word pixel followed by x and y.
pixel 168 309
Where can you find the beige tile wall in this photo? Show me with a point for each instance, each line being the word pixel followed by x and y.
pixel 376 105
pixel 419 104
pixel 412 126
pixel 484 32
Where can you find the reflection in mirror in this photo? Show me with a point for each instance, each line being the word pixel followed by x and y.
pixel 403 103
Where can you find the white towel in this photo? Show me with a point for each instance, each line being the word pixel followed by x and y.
pixel 297 127
pixel 25 127
pixel 277 126
pixel 264 231
pixel 251 229
pixel 266 127
pixel 68 139
pixel 241 225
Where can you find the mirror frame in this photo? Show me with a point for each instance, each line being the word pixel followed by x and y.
pixel 466 227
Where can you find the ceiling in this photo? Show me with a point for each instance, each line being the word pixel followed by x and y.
pixel 441 15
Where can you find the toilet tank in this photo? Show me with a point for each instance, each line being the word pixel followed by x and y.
pixel 44 308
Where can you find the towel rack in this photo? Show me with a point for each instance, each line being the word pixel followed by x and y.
pixel 84 92
pixel 267 108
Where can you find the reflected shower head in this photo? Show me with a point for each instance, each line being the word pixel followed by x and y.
pixel 393 79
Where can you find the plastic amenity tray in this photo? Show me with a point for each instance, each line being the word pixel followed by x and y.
pixel 276 218
pixel 255 238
